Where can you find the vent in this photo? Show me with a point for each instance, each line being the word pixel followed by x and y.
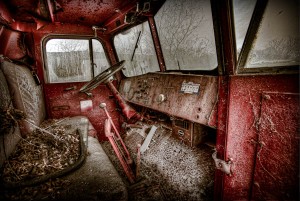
pixel 182 124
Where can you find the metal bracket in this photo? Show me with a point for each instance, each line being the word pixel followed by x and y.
pixel 224 166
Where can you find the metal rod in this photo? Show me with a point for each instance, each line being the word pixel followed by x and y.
pixel 124 160
pixel 118 134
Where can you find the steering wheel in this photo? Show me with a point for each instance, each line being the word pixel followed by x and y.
pixel 102 77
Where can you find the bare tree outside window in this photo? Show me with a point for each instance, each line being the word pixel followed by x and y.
pixel 185 29
pixel 68 60
pixel 136 47
pixel 277 41
pixel 100 60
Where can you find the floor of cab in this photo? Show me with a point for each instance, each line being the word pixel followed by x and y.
pixel 169 169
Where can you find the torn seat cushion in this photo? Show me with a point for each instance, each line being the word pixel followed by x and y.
pixel 9 139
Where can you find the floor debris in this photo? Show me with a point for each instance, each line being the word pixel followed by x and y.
pixel 169 169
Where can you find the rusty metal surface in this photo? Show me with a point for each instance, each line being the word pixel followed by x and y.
pixel 57 97
pixel 66 11
pixel 277 157
pixel 222 116
pixel 161 92
pixel 118 145
pixel 157 45
pixel 12 45
pixel 88 12
pixel 30 15
pixel 243 120
pixel 127 110
pixel 69 102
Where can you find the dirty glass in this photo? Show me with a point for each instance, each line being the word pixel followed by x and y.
pixel 277 40
pixel 243 11
pixel 135 46
pixel 69 60
pixel 185 29
pixel 100 61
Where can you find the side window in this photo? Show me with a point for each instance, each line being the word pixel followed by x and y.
pixel 136 47
pixel 100 61
pixel 69 60
pixel 277 38
pixel 185 29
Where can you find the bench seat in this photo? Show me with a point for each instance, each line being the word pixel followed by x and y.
pixel 96 179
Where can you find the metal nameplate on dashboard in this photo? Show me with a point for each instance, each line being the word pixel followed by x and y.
pixel 190 88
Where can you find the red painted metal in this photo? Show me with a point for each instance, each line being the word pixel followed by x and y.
pixel 227 39
pixel 69 101
pixel 88 12
pixel 277 157
pixel 12 45
pixel 124 159
pixel 227 57
pixel 51 10
pixel 55 94
pixel 128 111
pixel 25 26
pixel 5 16
pixel 243 124
pixel 111 23
pixel 23 10
pixel 158 50
pixel 108 14
pixel 103 106
pixel 222 117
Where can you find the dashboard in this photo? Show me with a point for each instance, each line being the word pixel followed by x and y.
pixel 190 97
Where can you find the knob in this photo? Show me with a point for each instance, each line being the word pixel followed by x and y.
pixel 161 98
pixel 102 105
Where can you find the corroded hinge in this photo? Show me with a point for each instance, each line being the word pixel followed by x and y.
pixel 224 166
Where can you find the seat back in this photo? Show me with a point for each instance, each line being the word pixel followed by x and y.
pixel 11 137
pixel 26 95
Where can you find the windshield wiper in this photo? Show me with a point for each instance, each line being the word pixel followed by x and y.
pixel 136 45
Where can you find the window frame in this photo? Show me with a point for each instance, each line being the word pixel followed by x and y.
pixel 89 38
pixel 218 70
pixel 251 34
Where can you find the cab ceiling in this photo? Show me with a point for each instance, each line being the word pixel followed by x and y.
pixel 85 12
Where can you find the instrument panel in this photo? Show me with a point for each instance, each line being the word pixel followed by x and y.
pixel 191 97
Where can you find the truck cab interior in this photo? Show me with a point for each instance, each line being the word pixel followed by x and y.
pixel 149 100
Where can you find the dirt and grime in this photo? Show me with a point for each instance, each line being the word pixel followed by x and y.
pixel 169 169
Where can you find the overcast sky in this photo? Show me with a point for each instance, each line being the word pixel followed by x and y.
pixel 281 20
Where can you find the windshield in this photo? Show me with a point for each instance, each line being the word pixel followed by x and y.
pixel 135 46
pixel 185 29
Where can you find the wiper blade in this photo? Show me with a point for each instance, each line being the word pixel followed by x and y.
pixel 136 45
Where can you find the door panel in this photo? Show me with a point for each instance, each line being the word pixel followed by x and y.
pixel 243 127
pixel 277 166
